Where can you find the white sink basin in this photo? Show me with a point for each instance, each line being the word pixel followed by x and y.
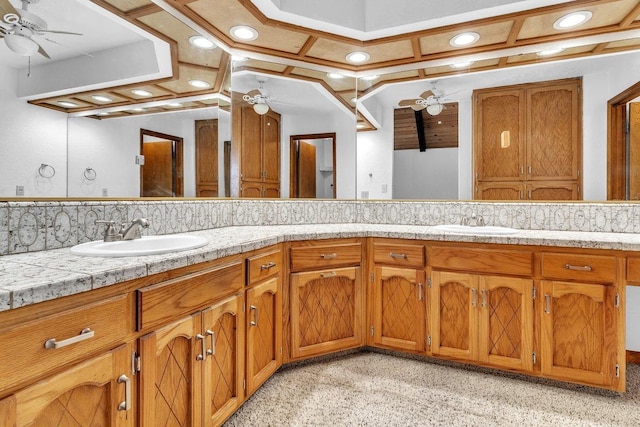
pixel 147 245
pixel 478 230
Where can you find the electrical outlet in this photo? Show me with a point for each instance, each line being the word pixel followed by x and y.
pixel 139 159
pixel 19 190
pixel 105 192
pixel 384 188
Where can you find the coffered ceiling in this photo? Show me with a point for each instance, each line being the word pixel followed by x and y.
pixel 507 38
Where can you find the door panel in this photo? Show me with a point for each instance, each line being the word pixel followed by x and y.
pixel 271 153
pixel 306 170
pixel 207 158
pixel 157 172
pixel 634 151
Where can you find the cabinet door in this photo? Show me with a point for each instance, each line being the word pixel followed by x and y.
pixel 326 311
pixel 506 322
pixel 399 308
pixel 553 123
pixel 271 147
pixel 171 374
pixel 207 158
pixel 252 190
pixel 499 191
pixel 454 329
pixel 224 368
pixel 271 191
pixel 251 149
pixel 499 157
pixel 264 332
pixel 97 392
pixel 558 190
pixel 579 332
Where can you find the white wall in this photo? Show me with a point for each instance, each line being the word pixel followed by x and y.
pixel 343 126
pixel 431 174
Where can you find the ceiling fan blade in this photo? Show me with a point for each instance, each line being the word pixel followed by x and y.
pixel 42 52
pixel 418 107
pixel 66 47
pixel 59 32
pixel 7 8
pixel 407 102
pixel 426 94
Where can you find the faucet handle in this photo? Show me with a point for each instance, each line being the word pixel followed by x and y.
pixel 480 221
pixel 110 232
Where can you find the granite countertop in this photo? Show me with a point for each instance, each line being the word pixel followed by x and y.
pixel 34 277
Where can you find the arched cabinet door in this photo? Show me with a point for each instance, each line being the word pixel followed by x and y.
pixel 97 392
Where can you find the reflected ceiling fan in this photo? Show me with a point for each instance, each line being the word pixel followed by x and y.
pixel 18 26
pixel 433 100
pixel 259 98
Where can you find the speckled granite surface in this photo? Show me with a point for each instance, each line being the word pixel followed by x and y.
pixel 34 277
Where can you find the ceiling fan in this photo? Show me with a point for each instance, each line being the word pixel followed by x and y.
pixel 258 98
pixel 18 26
pixel 432 99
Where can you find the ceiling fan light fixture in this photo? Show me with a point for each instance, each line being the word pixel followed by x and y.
pixel 202 42
pixel 21 45
pixel 243 32
pixel 358 57
pixel 435 109
pixel 101 98
pixel 261 108
pixel 572 20
pixel 464 39
pixel 201 84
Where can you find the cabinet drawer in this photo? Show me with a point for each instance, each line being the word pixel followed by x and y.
pixel 48 343
pixel 633 270
pixel 514 262
pixel 165 301
pixel 261 266
pixel 401 255
pixel 314 257
pixel 596 268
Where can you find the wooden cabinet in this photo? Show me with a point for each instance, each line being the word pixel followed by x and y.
pixel 259 152
pixel 96 392
pixel 528 139
pixel 206 158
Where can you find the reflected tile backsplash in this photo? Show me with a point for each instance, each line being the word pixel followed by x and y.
pixel 37 226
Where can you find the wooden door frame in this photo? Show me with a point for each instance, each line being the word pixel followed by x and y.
pixel 293 171
pixel 178 169
pixel 616 142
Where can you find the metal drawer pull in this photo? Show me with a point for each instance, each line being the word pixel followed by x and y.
pixel 474 297
pixel 397 256
pixel 254 322
pixel 267 266
pixel 578 267
pixel 85 334
pixel 201 356
pixel 330 274
pixel 484 297
pixel 420 291
pixel 328 256
pixel 126 405
pixel 212 350
pixel 547 303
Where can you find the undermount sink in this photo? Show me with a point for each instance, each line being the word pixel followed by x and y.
pixel 478 230
pixel 147 245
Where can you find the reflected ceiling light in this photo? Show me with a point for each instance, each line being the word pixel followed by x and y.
pixel 199 84
pixel 101 98
pixel 464 39
pixel 358 57
pixel 361 125
pixel 67 104
pixel 243 32
pixel 140 92
pixel 102 114
pixel 549 52
pixel 370 78
pixel 435 109
pixel 238 58
pixel 136 110
pixel 335 76
pixel 202 42
pixel 174 105
pixel 261 108
pixel 463 64
pixel 572 20
pixel 21 44
pixel 354 99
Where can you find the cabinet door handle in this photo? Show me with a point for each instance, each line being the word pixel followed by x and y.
pixel 267 266
pixel 397 256
pixel 254 322
pixel 484 297
pixel 578 267
pixel 212 350
pixel 474 297
pixel 126 404
pixel 547 303
pixel 329 256
pixel 201 356
pixel 420 291
pixel 529 169
pixel 329 274
pixel 85 334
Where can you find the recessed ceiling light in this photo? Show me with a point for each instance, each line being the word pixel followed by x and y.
pixel 335 76
pixel 243 32
pixel 369 78
pixel 463 64
pixel 361 125
pixel 102 114
pixel 140 92
pixel 174 105
pixel 354 99
pixel 67 104
pixel 464 39
pixel 358 57
pixel 549 52
pixel 199 84
pixel 572 20
pixel 136 110
pixel 101 98
pixel 202 42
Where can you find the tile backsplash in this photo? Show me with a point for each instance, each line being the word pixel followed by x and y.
pixel 36 226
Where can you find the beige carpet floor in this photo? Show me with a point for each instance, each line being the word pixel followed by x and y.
pixel 373 389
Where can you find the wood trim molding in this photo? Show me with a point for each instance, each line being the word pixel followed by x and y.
pixel 633 357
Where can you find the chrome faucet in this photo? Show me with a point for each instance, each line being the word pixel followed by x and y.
pixel 127 232
pixel 473 221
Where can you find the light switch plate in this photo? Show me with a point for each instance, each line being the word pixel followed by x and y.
pixel 139 159
pixel 19 190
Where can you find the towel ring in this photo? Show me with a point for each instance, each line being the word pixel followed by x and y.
pixel 46 171
pixel 90 174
